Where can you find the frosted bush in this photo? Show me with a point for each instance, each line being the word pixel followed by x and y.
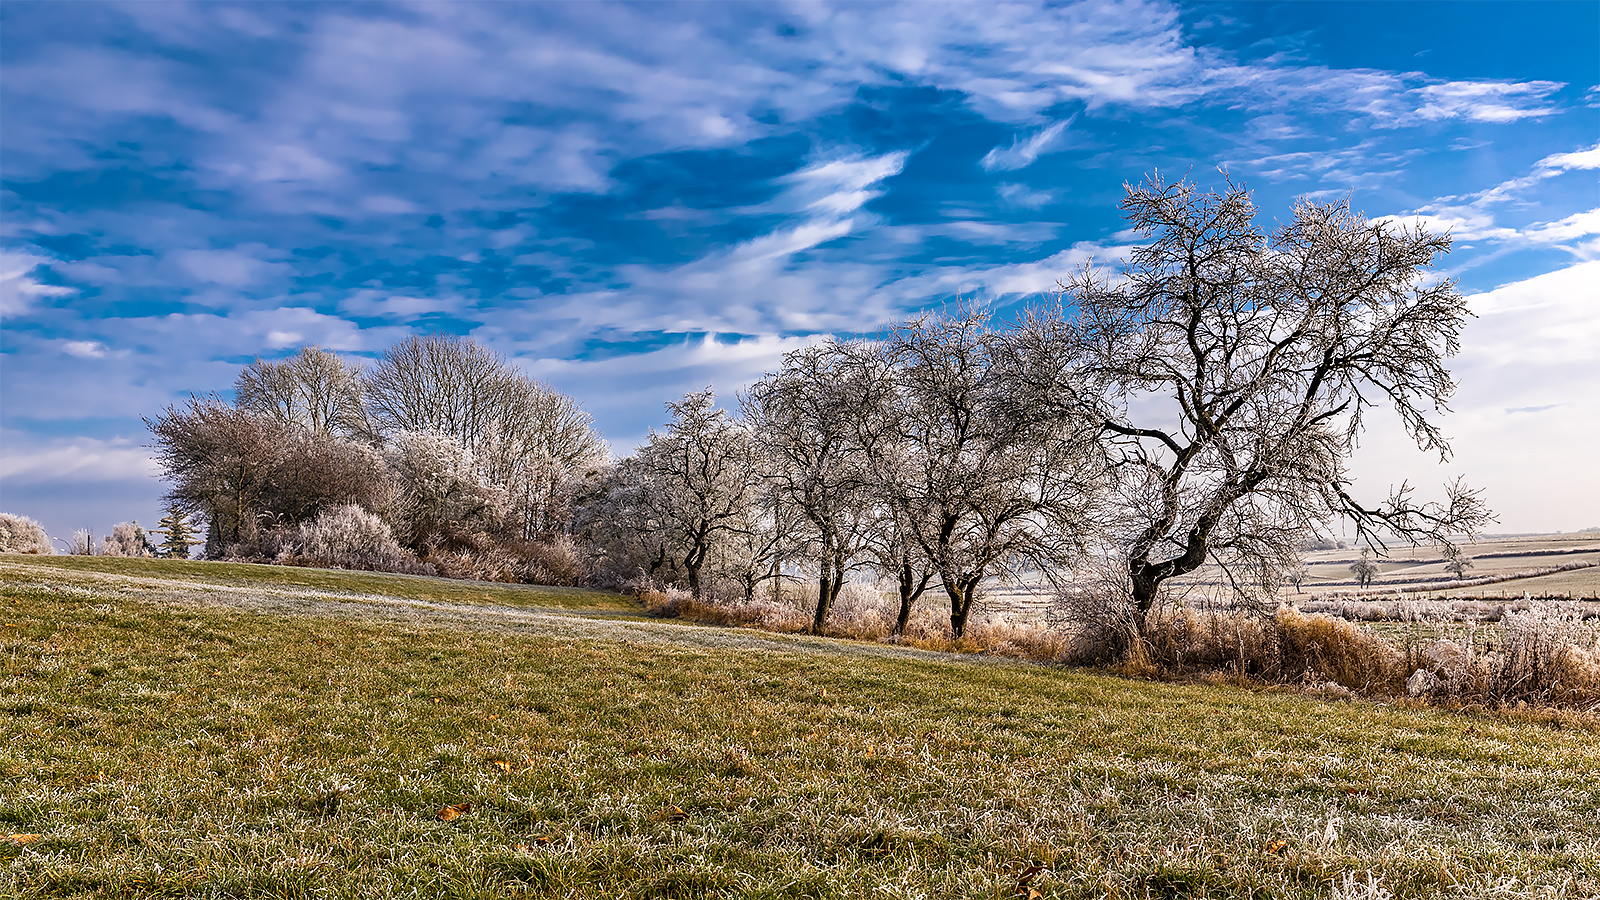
pixel 126 539
pixel 349 537
pixel 20 534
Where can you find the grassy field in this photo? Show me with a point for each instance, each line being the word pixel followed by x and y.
pixel 227 733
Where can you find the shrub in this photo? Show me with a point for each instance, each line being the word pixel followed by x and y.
pixel 348 537
pixel 478 556
pixel 127 539
pixel 20 534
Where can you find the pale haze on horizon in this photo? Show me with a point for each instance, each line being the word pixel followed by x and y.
pixel 633 201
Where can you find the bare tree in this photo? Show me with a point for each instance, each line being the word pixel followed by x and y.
pixel 1297 576
pixel 699 481
pixel 313 389
pixel 803 425
pixel 979 484
pixel 222 462
pixel 441 385
pixel 1230 374
pixel 1364 569
pixel 1456 561
pixel 526 439
pixel 248 473
pixel 615 518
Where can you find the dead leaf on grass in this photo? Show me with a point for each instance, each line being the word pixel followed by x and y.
pixel 20 839
pixel 1277 847
pixel 452 812
pixel 1025 879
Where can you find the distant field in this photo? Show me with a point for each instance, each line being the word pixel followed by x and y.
pixel 1410 567
pixel 231 734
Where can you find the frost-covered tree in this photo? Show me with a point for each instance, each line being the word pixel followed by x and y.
pixel 699 482
pixel 1364 569
pixel 441 497
pixel 804 427
pixel 1230 371
pixel 20 534
pixel 127 539
pixel 350 537
pixel 313 389
pixel 980 482
pixel 529 441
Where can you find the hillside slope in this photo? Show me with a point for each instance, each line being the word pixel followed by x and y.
pixel 162 734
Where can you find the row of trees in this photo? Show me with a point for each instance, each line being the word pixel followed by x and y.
pixel 907 456
pixel 1198 406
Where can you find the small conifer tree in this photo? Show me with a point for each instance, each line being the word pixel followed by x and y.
pixel 179 532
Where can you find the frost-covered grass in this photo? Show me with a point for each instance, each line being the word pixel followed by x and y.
pixel 158 745
pixel 409 587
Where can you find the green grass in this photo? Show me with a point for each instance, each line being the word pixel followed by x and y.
pixel 409 587
pixel 159 747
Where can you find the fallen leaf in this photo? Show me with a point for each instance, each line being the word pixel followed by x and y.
pixel 1278 847
pixel 1024 879
pixel 673 814
pixel 502 765
pixel 453 811
pixel 20 839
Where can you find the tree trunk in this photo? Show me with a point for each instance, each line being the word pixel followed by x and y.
pixel 691 566
pixel 829 582
pixel 961 593
pixel 909 592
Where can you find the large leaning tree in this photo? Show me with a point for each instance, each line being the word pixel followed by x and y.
pixel 1230 373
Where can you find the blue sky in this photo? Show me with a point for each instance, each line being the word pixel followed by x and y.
pixel 636 200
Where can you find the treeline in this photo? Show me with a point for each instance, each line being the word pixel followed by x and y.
pixel 913 457
pixel 916 457
pixel 1200 406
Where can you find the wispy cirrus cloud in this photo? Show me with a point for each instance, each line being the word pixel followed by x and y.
pixel 242 179
pixel 19 290
pixel 1022 153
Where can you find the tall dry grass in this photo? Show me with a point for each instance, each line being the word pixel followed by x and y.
pixel 1531 652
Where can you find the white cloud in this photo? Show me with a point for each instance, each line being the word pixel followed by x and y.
pixel 1577 159
pixel 18 289
pixel 1549 167
pixel 1021 154
pixel 1526 417
pixel 1486 101
pixel 1022 195
pixel 623 391
pixel 85 349
pixel 239 267
pixel 76 460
